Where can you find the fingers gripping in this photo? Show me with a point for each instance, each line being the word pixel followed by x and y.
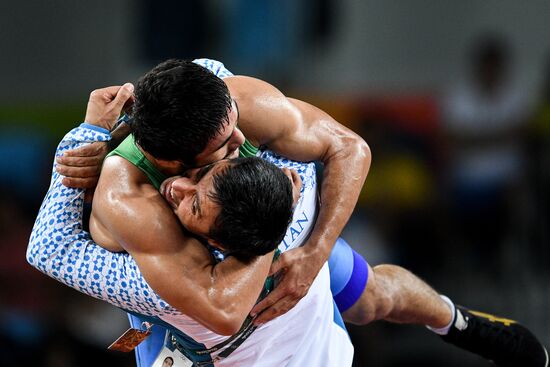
pixel 269 307
pixel 94 149
pixel 106 104
pixel 279 265
pixel 79 161
pixel 286 294
pixel 296 183
pixel 123 95
pixel 277 293
pixel 81 166
pixel 280 308
pixel 78 172
pixel 81 183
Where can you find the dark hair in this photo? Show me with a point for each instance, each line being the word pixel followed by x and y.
pixel 179 107
pixel 256 207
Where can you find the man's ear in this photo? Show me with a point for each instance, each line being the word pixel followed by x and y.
pixel 296 183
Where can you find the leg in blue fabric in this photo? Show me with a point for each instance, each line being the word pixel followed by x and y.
pixel 148 350
pixel 385 292
pixel 396 295
pixel 348 275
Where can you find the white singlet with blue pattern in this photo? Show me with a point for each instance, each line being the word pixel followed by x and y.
pixel 59 247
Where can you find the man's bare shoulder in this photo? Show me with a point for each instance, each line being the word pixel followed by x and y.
pixel 247 88
pixel 122 179
pixel 263 110
pixel 128 211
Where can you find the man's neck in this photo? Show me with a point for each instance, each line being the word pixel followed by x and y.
pixel 168 168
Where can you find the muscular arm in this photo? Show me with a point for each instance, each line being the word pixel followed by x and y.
pixel 177 266
pixel 300 131
pixel 218 296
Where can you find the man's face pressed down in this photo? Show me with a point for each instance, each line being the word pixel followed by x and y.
pixel 225 144
pixel 190 196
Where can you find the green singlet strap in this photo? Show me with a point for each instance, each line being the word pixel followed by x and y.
pixel 247 149
pixel 129 151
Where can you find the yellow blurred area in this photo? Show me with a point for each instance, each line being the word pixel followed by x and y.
pixel 398 181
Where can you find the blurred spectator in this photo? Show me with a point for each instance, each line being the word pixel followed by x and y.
pixel 484 123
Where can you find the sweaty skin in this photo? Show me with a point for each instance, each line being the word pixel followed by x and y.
pixel 290 127
pixel 302 132
pixel 134 216
pixel 129 214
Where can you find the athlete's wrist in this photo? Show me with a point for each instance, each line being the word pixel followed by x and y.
pixel 316 252
pixel 118 134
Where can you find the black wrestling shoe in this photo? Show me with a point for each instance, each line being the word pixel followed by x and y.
pixel 503 341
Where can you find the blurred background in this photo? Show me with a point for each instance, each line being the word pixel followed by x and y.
pixel 452 97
